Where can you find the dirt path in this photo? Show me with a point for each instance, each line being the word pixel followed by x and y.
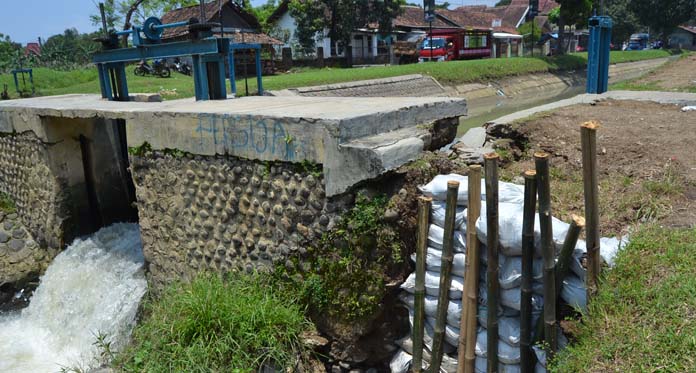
pixel 647 157
pixel 679 75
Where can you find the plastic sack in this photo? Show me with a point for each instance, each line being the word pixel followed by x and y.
pixel 436 235
pixel 506 354
pixel 437 190
pixel 432 285
pixel 433 261
pixel 428 334
pixel 511 271
pixel 451 332
pixel 541 354
pixel 449 365
pixel 510 217
pixel 574 292
pixel 481 364
pixel 401 362
pixel 454 308
pixel 608 249
pixel 510 298
pixel 437 215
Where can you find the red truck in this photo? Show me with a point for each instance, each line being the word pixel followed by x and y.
pixel 457 44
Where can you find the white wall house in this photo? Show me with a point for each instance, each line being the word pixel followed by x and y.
pixel 365 42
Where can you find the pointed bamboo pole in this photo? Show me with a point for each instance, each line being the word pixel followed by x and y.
pixel 566 254
pixel 419 306
pixel 468 321
pixel 588 134
pixel 548 252
pixel 530 194
pixel 563 264
pixel 491 170
pixel 445 276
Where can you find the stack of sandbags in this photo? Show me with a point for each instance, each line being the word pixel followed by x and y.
pixel 511 200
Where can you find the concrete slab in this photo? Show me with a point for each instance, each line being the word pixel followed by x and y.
pixel 474 137
pixel 290 129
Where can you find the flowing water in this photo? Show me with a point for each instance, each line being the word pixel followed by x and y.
pixel 92 288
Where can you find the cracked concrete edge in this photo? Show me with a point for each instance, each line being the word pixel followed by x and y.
pixel 667 98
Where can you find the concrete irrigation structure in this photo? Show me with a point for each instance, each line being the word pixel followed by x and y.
pixel 221 185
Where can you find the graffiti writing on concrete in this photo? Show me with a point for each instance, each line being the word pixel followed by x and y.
pixel 266 137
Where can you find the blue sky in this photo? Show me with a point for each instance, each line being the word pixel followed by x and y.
pixel 26 20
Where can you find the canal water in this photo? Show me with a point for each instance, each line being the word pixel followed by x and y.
pixel 486 109
pixel 93 288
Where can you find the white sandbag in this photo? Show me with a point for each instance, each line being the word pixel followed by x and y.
pixel 436 235
pixel 428 334
pixel 433 262
pixel 538 368
pixel 437 215
pixel 541 354
pixel 506 354
pixel 511 271
pixel 401 362
pixel 482 363
pixel 513 297
pixel 449 365
pixel 451 332
pixel 574 292
pixel 510 216
pixel 608 249
pixel 437 189
pixel 538 287
pixel 432 285
pixel 454 308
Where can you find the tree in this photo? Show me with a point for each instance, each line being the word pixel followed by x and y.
pixel 444 5
pixel 663 16
pixel 9 51
pixel 503 2
pixel 526 31
pixel 340 18
pixel 571 12
pixel 624 19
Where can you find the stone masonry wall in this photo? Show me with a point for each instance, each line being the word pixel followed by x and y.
pixel 25 176
pixel 224 214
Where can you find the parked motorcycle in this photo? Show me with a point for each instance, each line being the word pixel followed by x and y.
pixel 181 67
pixel 158 68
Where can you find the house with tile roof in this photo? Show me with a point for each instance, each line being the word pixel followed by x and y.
pixel 683 37
pixel 237 24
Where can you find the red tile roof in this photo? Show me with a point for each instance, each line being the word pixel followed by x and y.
pixel 413 17
pixel 691 29
pixel 545 6
pixel 248 20
pixel 482 20
pixel 32 48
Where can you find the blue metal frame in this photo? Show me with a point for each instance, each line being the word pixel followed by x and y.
pixel 259 72
pixel 598 54
pixel 31 79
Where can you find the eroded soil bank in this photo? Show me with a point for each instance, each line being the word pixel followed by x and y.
pixel 646 158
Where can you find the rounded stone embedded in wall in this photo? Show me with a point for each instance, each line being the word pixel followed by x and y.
pixel 324 220
pixel 310 181
pixel 299 201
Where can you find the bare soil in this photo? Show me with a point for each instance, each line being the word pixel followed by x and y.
pixel 679 75
pixel 646 155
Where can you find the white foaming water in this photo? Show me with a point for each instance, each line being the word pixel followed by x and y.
pixel 93 287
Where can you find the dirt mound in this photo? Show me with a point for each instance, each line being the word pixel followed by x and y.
pixel 679 75
pixel 647 161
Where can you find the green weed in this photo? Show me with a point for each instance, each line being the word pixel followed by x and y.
pixel 237 324
pixel 7 205
pixel 644 317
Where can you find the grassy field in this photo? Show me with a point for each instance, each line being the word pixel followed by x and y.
pixel 52 82
pixel 644 318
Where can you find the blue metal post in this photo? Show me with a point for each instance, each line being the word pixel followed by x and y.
pixel 598 54
pixel 14 74
pixel 259 82
pixel 121 84
pixel 102 80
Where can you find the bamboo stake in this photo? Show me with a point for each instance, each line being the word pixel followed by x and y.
pixel 571 239
pixel 468 321
pixel 419 306
pixel 491 169
pixel 563 265
pixel 445 276
pixel 526 353
pixel 548 252
pixel 588 134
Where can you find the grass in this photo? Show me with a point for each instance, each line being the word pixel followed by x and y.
pixel 7 205
pixel 644 317
pixel 52 82
pixel 640 84
pixel 233 325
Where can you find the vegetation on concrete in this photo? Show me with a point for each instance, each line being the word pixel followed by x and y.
pixel 344 274
pixel 238 323
pixel 7 205
pixel 643 318
pixel 52 82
